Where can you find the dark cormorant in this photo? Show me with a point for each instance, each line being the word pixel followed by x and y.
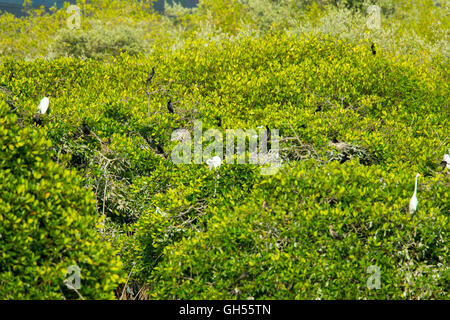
pixel 169 106
pixel 86 130
pixel 37 118
pixel 150 76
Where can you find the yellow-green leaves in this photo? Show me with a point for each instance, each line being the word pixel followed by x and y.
pixel 47 220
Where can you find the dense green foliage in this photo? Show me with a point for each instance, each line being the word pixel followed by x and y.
pixel 355 129
pixel 288 252
pixel 47 220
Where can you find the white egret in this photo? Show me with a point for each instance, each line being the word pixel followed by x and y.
pixel 43 105
pixel 446 161
pixel 42 109
pixel 214 162
pixel 414 202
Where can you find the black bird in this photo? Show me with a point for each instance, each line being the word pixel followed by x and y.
pixel 169 106
pixel 374 52
pixel 268 133
pixel 219 121
pixel 150 76
pixel 318 107
pixel 37 118
pixel 160 150
pixel 86 130
pixel 344 158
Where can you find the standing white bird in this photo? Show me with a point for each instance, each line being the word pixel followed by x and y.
pixel 446 161
pixel 42 109
pixel 414 202
pixel 43 105
pixel 214 162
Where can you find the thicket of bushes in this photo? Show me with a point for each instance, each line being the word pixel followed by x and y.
pixel 419 28
pixel 47 222
pixel 355 129
pixel 279 238
pixel 99 42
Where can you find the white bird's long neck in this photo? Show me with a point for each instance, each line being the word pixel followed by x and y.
pixel 415 187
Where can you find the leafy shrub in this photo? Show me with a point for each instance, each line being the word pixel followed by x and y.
pixel 48 222
pixel 44 33
pixel 99 42
pixel 255 81
pixel 355 129
pixel 280 242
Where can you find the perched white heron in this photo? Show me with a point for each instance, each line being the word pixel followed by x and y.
pixel 42 109
pixel 43 105
pixel 446 161
pixel 214 162
pixel 414 202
